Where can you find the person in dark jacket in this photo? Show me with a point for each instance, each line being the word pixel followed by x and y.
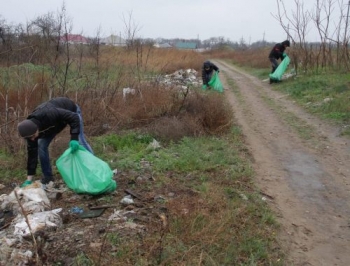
pixel 40 128
pixel 277 52
pixel 207 71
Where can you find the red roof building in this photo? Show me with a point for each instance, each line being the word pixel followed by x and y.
pixel 74 39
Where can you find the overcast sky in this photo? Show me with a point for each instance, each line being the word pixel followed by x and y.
pixel 187 19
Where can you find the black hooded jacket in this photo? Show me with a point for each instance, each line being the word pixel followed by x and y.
pixel 52 117
pixel 207 73
pixel 277 51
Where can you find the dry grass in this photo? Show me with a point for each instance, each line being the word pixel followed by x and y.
pixel 254 58
pixel 169 114
pixel 97 87
pixel 151 59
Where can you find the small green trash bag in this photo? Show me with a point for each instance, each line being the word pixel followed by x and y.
pixel 83 172
pixel 215 83
pixel 278 73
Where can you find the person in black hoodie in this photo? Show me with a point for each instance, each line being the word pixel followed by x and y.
pixel 207 71
pixel 40 128
pixel 277 52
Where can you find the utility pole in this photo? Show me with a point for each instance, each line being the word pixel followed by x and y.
pixel 263 38
pixel 346 24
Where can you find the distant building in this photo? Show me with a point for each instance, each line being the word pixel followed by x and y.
pixel 163 45
pixel 186 45
pixel 113 40
pixel 74 39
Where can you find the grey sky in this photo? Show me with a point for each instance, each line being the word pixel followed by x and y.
pixel 250 19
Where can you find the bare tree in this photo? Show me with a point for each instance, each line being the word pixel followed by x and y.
pixel 296 26
pixel 52 33
pixel 130 29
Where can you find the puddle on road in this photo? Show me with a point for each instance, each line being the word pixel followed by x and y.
pixel 305 176
pixel 313 185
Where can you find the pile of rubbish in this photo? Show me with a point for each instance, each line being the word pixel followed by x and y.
pixel 26 217
pixel 24 212
pixel 37 219
pixel 181 78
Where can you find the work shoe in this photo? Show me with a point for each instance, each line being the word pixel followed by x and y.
pixel 49 186
pixel 46 180
pixel 27 183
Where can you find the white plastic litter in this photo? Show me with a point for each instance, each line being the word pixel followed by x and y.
pixel 127 200
pixel 35 195
pixel 38 221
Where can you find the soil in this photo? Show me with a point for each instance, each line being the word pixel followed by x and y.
pixel 307 180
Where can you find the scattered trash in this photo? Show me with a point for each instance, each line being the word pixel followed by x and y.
pixel 102 207
pixel 181 78
pixel 76 210
pixel 127 91
pixel 38 221
pixel 32 199
pixel 21 258
pixel 120 215
pixel 127 200
pixel 91 213
pixel 244 197
pixel 154 145
pixel 135 195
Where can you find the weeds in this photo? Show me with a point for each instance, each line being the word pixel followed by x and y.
pixel 324 95
pixel 213 216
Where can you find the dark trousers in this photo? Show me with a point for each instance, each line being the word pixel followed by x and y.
pixel 274 64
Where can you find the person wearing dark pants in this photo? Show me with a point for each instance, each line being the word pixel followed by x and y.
pixel 207 72
pixel 277 52
pixel 41 127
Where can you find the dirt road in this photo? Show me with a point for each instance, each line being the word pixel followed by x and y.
pixel 306 175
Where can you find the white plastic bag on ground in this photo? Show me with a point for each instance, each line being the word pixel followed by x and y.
pixel 33 199
pixel 38 221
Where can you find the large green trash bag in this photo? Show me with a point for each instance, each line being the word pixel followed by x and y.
pixel 83 172
pixel 277 75
pixel 215 83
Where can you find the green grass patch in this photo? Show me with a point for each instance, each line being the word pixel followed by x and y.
pixel 217 216
pixel 9 167
pixel 324 95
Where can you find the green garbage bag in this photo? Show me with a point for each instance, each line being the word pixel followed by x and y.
pixel 83 172
pixel 215 83
pixel 277 75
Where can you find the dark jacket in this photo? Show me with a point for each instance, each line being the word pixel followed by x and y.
pixel 206 74
pixel 51 118
pixel 277 51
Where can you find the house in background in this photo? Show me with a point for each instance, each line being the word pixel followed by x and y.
pixel 163 45
pixel 113 40
pixel 74 39
pixel 186 45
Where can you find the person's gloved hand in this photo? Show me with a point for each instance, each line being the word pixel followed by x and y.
pixel 74 145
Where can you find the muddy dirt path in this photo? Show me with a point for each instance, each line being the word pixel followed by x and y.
pixel 307 178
